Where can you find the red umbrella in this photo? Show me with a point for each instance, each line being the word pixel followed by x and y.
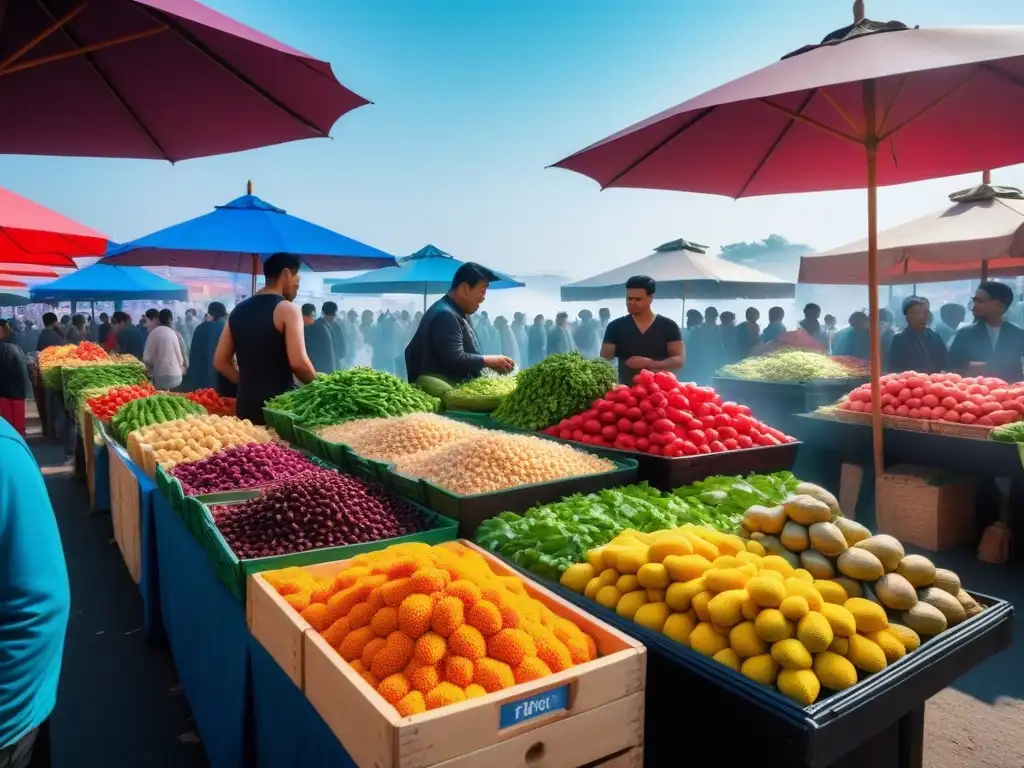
pixel 27 270
pixel 12 284
pixel 873 104
pixel 160 79
pixel 32 234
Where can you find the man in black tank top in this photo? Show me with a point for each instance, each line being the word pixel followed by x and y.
pixel 264 336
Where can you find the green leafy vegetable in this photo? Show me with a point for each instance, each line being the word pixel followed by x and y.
pixel 1008 433
pixel 728 497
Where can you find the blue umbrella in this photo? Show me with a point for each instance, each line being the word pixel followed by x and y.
pixel 237 236
pixel 429 270
pixel 108 282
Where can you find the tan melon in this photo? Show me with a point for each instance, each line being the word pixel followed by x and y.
pixel 820 494
pixel 815 563
pixel 910 639
pixel 945 602
pixel 764 519
pixel 773 546
pixel 860 564
pixel 947 581
pixel 971 606
pixel 827 539
pixel 794 537
pixel 925 619
pixel 853 587
pixel 896 592
pixel 917 569
pixel 886 548
pixel 806 510
pixel 852 530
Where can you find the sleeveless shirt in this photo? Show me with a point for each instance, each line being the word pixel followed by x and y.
pixel 263 369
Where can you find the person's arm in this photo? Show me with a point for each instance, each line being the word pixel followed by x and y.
pixel 675 360
pixel 224 357
pixel 446 335
pixel 290 317
pixel 149 352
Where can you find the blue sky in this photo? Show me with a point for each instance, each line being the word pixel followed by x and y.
pixel 473 98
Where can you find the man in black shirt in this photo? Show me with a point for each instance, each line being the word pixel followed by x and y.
pixel 445 344
pixel 129 337
pixel 642 339
pixel 319 341
pixel 329 322
pixel 50 335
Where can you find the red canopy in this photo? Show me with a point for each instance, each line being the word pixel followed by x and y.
pixel 27 270
pixel 32 234
pixel 11 284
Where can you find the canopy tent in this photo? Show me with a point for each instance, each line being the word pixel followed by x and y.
pixel 238 236
pixel 106 282
pixel 981 234
pixel 32 234
pixel 428 271
pixel 683 270
pixel 13 298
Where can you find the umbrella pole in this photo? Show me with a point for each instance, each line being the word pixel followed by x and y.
pixel 984 270
pixel 871 145
pixel 424 300
pixel 255 260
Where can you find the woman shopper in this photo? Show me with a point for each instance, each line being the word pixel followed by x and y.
pixel 162 355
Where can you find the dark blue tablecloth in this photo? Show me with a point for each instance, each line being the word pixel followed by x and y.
pixel 209 639
pixel 288 731
pixel 100 478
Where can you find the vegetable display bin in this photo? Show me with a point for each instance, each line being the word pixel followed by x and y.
pixel 471 510
pixel 590 714
pixel 281 422
pixel 878 722
pixel 313 444
pixel 476 418
pixel 234 572
pixel 777 402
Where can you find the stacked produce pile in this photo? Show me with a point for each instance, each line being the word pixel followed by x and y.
pixel 193 438
pixel 154 409
pixel 109 401
pixel 356 393
pixel 316 509
pixel 432 626
pixel 52 359
pixel 483 393
pixel 794 365
pixel 81 380
pixel 250 465
pixel 212 402
pixel 389 439
pixel 495 461
pixel 549 538
pixel 554 389
pixel 980 401
pixel 664 417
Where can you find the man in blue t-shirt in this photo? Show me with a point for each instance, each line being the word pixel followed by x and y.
pixel 34 600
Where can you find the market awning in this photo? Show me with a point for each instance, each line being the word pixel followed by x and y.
pixel 106 282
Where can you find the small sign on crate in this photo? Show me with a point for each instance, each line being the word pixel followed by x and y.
pixel 530 707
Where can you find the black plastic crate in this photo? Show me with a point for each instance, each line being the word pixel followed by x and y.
pixel 777 402
pixel 876 723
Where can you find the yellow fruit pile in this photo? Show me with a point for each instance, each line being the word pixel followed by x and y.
pixel 193 438
pixel 725 598
pixel 388 439
pixel 429 626
pixel 495 461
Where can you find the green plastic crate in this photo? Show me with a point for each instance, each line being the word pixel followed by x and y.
pixel 170 487
pixel 234 573
pixel 310 442
pixel 476 418
pixel 281 422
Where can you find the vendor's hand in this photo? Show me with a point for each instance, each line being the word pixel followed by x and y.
pixel 638 363
pixel 499 363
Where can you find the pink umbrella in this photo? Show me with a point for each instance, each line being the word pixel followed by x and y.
pixel 33 234
pixel 26 270
pixel 159 79
pixel 873 104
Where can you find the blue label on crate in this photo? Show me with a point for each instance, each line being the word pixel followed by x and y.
pixel 538 705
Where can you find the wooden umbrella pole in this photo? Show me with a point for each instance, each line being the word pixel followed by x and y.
pixel 255 261
pixel 871 145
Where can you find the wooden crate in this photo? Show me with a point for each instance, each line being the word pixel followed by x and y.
pixel 926 507
pixel 89 445
pixel 124 512
pixel 572 718
pixel 631 758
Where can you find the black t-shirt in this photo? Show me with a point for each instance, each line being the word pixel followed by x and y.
pixel 629 342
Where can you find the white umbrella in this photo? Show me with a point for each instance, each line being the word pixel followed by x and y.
pixel 682 270
pixel 981 234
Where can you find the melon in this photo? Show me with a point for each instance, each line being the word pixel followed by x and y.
pixel 852 530
pixel 806 510
pixel 971 606
pixel 910 639
pixel 827 539
pixel 917 569
pixel 925 619
pixel 835 672
pixel 816 564
pixel 860 564
pixel 945 602
pixel 820 494
pixel 886 548
pixel 866 655
pixel 764 519
pixel 852 587
pixel 896 592
pixel 794 537
pixel 947 581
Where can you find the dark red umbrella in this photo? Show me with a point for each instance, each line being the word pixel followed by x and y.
pixel 872 104
pixel 159 79
pixel 33 234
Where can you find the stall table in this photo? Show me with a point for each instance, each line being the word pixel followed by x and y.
pixel 777 403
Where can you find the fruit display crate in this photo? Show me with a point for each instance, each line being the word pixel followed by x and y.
pixel 234 572
pixel 471 510
pixel 878 722
pixel 667 474
pixel 125 504
pixel 777 402
pixel 342 456
pixel 591 714
pixel 280 422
